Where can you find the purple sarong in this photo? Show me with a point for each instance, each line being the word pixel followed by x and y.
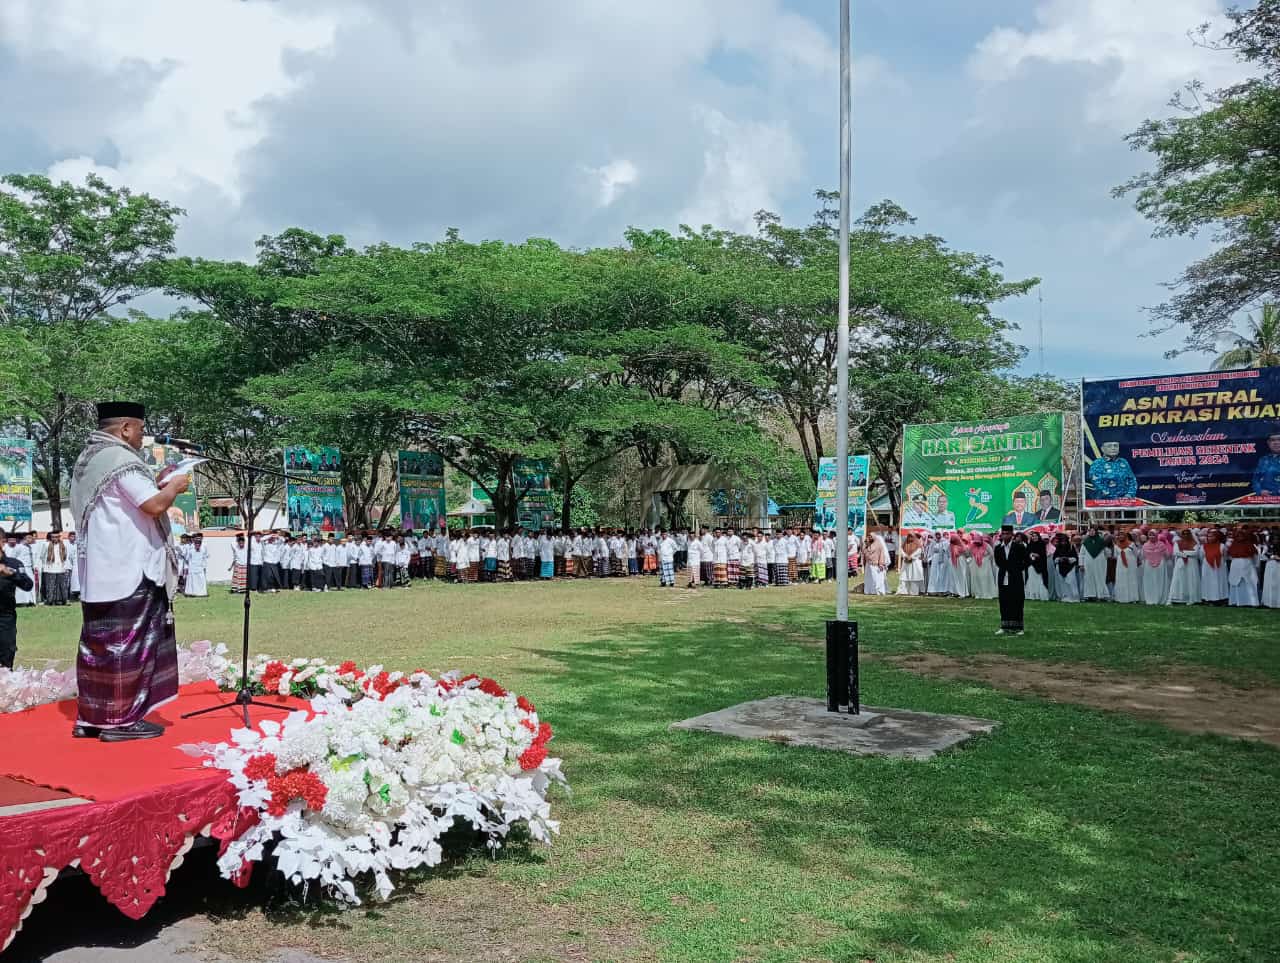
pixel 128 659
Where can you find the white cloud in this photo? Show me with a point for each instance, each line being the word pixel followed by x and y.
pixel 612 179
pixel 181 134
pixel 1143 44
pixel 744 167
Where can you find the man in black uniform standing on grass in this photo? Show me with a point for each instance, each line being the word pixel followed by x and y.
pixel 1011 571
pixel 12 576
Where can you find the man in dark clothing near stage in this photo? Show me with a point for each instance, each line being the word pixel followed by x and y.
pixel 12 576
pixel 1011 573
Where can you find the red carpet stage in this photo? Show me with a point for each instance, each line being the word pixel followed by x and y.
pixel 125 813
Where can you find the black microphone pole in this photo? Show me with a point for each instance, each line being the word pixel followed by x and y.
pixel 244 698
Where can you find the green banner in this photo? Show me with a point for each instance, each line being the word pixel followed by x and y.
pixel 313 493
pixel 184 513
pixel 421 478
pixel 15 482
pixel 977 476
pixel 538 506
pixel 824 505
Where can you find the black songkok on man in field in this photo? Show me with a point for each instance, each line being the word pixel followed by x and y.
pixel 127 664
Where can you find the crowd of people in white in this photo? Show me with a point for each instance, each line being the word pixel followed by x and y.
pixel 1206 565
pixel 1156 566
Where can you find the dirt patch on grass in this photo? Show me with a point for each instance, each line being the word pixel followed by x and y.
pixel 1180 700
pixel 460 920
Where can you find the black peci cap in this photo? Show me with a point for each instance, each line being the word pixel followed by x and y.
pixel 120 409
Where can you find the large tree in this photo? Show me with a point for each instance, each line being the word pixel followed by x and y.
pixel 69 255
pixel 1217 167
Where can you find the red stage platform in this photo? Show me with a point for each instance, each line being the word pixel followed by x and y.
pixel 124 813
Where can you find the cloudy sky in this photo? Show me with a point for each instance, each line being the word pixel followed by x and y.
pixel 998 123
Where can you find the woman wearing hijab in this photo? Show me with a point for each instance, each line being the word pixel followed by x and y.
pixel 940 581
pixel 1271 574
pixel 1128 588
pixel 1093 567
pixel 959 551
pixel 982 581
pixel 1242 570
pixel 1184 588
pixel 1037 568
pixel 910 566
pixel 1062 572
pixel 1157 556
pixel 1213 569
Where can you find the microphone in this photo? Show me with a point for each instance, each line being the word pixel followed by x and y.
pixel 183 443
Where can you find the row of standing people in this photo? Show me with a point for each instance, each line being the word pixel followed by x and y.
pixel 51 563
pixel 275 561
pixel 1206 565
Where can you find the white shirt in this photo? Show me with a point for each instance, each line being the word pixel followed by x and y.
pixel 198 559
pixel 735 548
pixel 272 551
pixel 365 554
pixel 504 550
pixel 387 552
pixel 695 552
pixel 491 547
pixel 315 558
pixel 53 562
pixel 123 544
pixel 667 550
pixel 546 551
pixel 297 557
pixel 748 553
pixel 720 549
pixel 239 555
pixel 403 555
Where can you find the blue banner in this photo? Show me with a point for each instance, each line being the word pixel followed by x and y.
pixel 1205 440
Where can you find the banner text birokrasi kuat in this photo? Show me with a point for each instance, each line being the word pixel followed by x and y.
pixel 1209 439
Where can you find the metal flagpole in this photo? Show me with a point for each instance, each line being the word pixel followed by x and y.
pixel 842 636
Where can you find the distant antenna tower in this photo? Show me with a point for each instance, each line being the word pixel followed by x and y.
pixel 1040 298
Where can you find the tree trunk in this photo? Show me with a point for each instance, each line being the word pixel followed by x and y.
pixel 505 507
pixel 54 489
pixel 566 499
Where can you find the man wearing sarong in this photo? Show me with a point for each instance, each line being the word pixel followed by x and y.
pixel 127 664
pixel 1011 565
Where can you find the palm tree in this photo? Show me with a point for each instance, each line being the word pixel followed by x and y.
pixel 1259 347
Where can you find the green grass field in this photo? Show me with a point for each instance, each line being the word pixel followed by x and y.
pixel 1069 834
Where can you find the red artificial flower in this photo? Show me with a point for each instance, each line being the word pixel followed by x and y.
pixel 525 704
pixel 528 725
pixel 444 685
pixel 349 668
pixel 382 684
pixel 296 784
pixel 533 757
pixel 544 734
pixel 271 674
pixel 489 687
pixel 260 767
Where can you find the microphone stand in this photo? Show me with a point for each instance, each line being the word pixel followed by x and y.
pixel 244 698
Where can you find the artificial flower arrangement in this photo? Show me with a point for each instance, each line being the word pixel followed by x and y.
pixel 369 778
pixel 23 688
pixel 381 766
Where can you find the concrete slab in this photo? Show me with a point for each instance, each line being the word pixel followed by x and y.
pixel 799 721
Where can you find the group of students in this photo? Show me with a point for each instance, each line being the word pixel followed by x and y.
pixel 51 565
pixel 1207 565
pixel 278 561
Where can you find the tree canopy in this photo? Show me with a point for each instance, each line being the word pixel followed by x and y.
pixel 1217 166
